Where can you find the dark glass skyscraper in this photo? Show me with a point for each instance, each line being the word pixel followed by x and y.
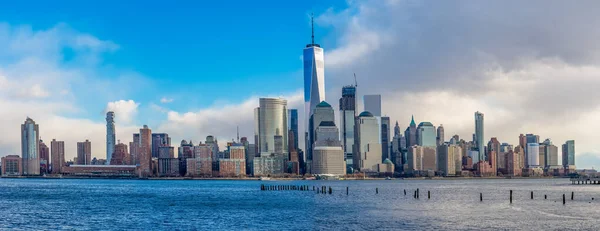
pixel 347 114
pixel 411 133
pixel 293 126
pixel 479 135
pixel 385 138
pixel 568 154
pixel 159 140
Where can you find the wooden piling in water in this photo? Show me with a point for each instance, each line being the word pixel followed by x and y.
pixel 330 191
pixel 404 192
pixel 511 196
pixel 480 196
pixel 376 190
pixel 417 193
pixel 532 195
pixel 346 191
pixel 428 194
pixel 572 195
pixel 564 200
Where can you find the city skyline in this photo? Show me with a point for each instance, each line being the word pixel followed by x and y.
pixel 70 122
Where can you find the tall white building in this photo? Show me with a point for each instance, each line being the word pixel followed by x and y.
pixel 314 80
pixel 30 146
pixel 367 146
pixel 110 136
pixel 372 103
pixel 533 155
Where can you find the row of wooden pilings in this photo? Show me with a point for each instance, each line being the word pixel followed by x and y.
pixel 416 195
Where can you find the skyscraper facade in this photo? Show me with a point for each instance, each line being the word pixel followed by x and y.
pixel 426 135
pixel 272 118
pixel 323 112
pixel 568 154
pixel 293 127
pixel 479 141
pixel 44 157
pixel 367 146
pixel 84 153
pixel 159 140
pixel 533 155
pixel 385 138
pixel 30 137
pixel 110 136
pixel 439 140
pixel 372 104
pixel 57 151
pixel 347 114
pixel 328 156
pixel 314 77
pixel 145 152
pixel 411 133
pixel 120 156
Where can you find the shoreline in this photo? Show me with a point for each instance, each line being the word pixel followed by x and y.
pixel 275 178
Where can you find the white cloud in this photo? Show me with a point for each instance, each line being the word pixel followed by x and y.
pixel 125 110
pixel 166 100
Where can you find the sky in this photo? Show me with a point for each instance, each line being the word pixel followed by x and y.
pixel 197 68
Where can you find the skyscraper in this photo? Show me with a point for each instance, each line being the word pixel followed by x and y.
pixel 272 117
pixel 44 157
pixel 385 138
pixel 426 135
pixel 314 76
pixel 145 152
pixel 110 136
pixel 372 104
pixel 367 146
pixel 479 142
pixel 30 137
pixel 84 153
pixel 159 140
pixel 323 112
pixel 120 156
pixel 347 114
pixel 533 155
pixel 328 156
pixel 411 133
pixel 293 127
pixel 440 135
pixel 568 154
pixel 494 149
pixel 57 151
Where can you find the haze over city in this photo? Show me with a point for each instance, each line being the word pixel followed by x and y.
pixel 529 69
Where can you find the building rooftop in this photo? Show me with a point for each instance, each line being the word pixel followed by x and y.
pixel 323 104
pixel 425 124
pixel 365 114
pixel 327 123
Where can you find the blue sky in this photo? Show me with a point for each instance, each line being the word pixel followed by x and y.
pixel 64 63
pixel 211 50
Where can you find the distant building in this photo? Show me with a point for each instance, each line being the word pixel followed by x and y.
pixel 411 133
pixel 166 152
pixel 347 114
pixel 367 146
pixel 44 157
pixel 293 128
pixel 421 159
pixel 134 148
pixel 328 155
pixel 512 161
pixel 449 159
pixel 185 152
pixel 145 152
pixel 533 157
pixel 110 135
pixel 314 81
pixel 120 155
pixel 439 140
pixel 11 165
pixel 385 138
pixel 160 140
pixel 57 151
pixel 235 165
pixel 272 117
pixel 30 137
pixel 322 112
pixel 268 165
pixel 84 153
pixel 568 155
pixel 426 135
pixel 168 167
pixel 201 163
pixel 493 154
pixel 100 170
pixel 479 136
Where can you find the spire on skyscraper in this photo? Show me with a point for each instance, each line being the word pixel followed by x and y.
pixel 412 121
pixel 312 28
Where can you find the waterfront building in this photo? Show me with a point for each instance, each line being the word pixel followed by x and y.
pixel 522 140
pixel 110 135
pixel 372 104
pixel 411 133
pixel 439 140
pixel 494 157
pixel 533 157
pixel 386 168
pixel 120 155
pixel 520 153
pixel 145 152
pixel 100 170
pixel 168 167
pixel 512 161
pixel 84 153
pixel 159 140
pixel 385 138
pixel 426 135
pixel 568 155
pixel 251 154
pixel 367 147
pixel 185 151
pixel 478 136
pixel 474 156
pixel 44 157
pixel 12 165
pixel 314 80
pixel 551 154
pixel 268 165
pixel 201 160
pixel 449 159
pixel 322 112
pixel 30 137
pixel 235 165
pixel 421 160
pixel 57 151
pixel 166 152
pixel 134 148
pixel 347 120
pixel 328 155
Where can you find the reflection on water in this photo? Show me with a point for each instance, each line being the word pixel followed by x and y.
pixel 184 204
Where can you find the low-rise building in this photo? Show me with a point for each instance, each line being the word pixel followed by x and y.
pixel 11 165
